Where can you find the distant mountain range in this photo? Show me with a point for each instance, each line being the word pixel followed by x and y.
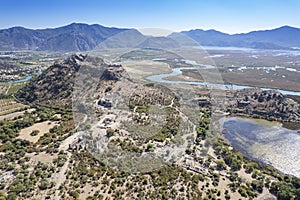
pixel 84 37
pixel 73 37
pixel 285 37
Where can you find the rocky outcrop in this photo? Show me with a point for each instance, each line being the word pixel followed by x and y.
pixel 114 72
pixel 267 104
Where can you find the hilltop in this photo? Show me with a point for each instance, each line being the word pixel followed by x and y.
pixel 55 85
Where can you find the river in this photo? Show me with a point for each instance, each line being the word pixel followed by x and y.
pixel 160 78
pixel 27 78
pixel 260 140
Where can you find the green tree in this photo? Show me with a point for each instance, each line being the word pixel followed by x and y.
pixel 44 184
pixel 221 165
pixel 34 132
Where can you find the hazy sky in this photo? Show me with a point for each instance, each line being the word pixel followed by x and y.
pixel 230 16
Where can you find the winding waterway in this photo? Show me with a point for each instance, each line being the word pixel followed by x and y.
pixel 27 78
pixel 161 78
pixel 259 140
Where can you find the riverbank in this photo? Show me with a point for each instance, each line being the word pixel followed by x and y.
pixel 162 78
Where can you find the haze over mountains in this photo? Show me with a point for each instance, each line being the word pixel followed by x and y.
pixel 84 37
pixel 280 38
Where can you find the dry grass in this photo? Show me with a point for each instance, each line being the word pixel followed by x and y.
pixel 142 69
pixel 259 78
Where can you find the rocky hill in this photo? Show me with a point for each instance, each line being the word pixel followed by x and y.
pixel 55 85
pixel 270 105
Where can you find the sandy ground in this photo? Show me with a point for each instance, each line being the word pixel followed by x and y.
pixel 43 127
pixel 245 177
pixel 58 116
pixel 87 191
pixel 60 177
pixel 183 78
pixel 42 157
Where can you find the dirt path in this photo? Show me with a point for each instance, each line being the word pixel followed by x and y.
pixel 60 177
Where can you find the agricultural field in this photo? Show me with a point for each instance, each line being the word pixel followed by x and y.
pixel 7 88
pixel 9 105
pixel 14 87
pixel 3 88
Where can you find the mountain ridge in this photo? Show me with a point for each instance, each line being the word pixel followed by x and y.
pixel 84 37
pixel 72 37
pixel 285 37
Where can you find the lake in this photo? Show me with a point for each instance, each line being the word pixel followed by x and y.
pixel 260 140
pixel 264 141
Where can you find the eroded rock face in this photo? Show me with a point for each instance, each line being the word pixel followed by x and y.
pixel 114 72
pixel 270 104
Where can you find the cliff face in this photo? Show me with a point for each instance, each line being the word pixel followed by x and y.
pixel 55 85
pixel 270 105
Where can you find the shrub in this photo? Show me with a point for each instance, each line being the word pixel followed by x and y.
pixel 34 132
pixel 110 132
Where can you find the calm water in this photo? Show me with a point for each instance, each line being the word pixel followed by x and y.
pixel 265 141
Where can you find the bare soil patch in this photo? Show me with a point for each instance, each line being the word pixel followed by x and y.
pixel 42 127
